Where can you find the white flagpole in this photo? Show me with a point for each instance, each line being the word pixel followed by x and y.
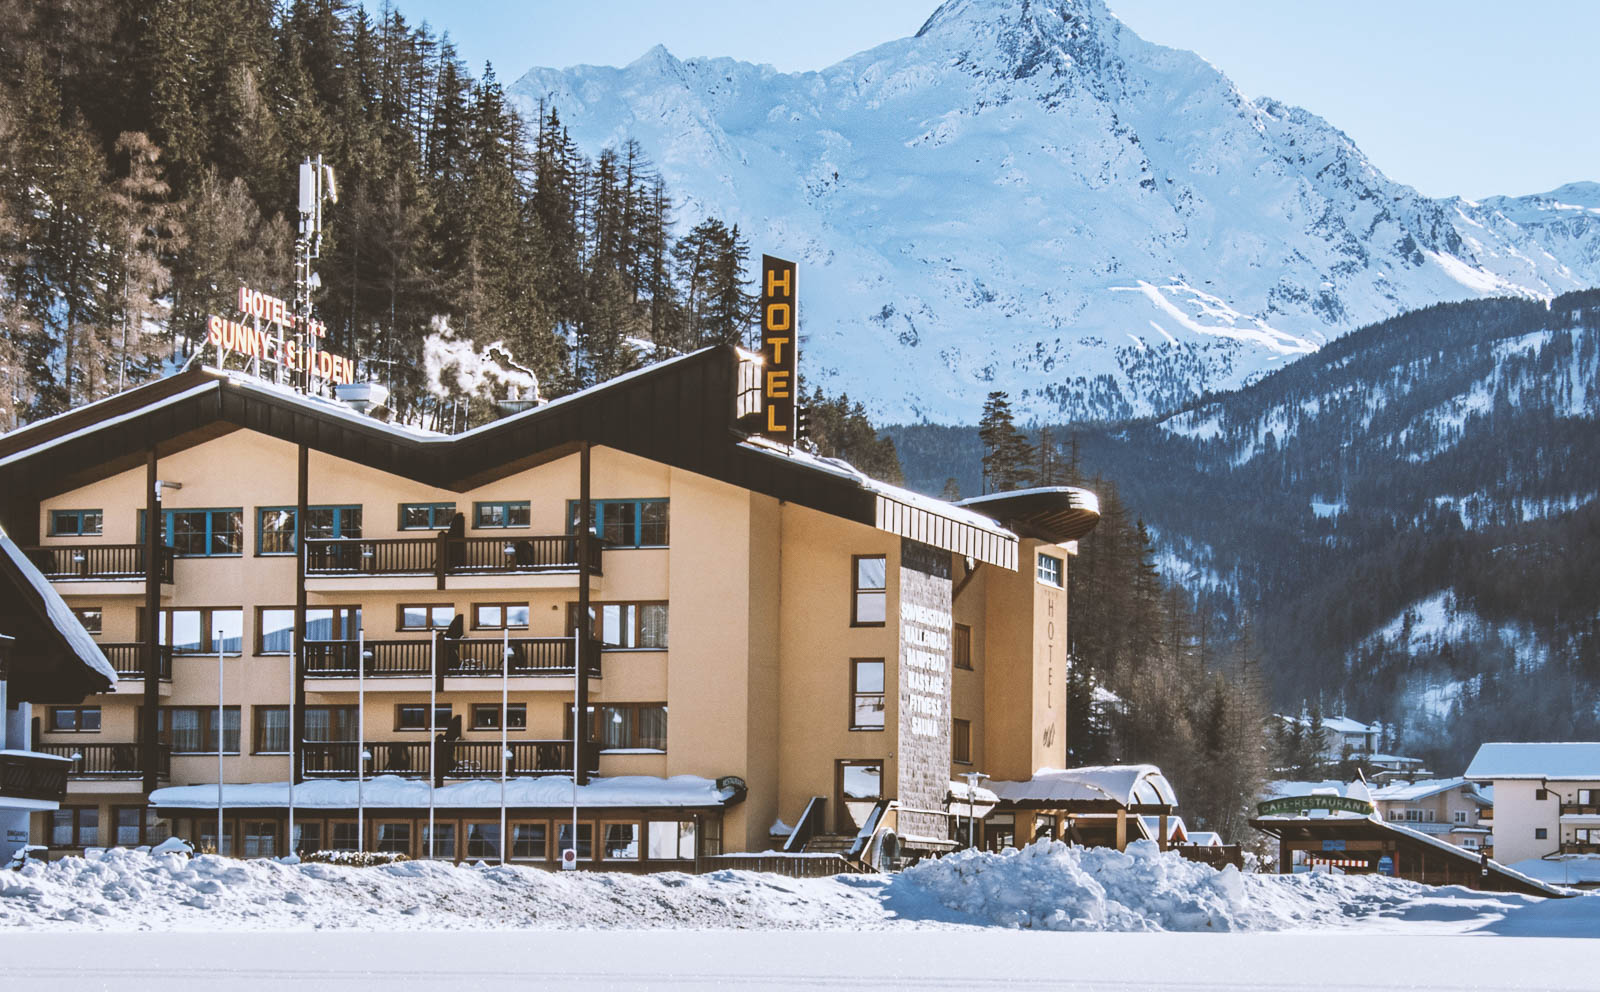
pixel 361 738
pixel 433 744
pixel 222 736
pixel 505 695
pixel 294 659
pixel 577 724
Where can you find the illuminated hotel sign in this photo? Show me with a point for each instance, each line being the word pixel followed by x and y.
pixel 254 341
pixel 779 342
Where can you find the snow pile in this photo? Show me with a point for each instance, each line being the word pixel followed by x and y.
pixel 457 367
pixel 1051 885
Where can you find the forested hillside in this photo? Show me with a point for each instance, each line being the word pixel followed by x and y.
pixel 1407 519
pixel 147 168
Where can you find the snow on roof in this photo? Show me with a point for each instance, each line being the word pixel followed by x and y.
pixel 1175 826
pixel 1392 759
pixel 1573 869
pixel 1280 788
pixel 60 614
pixel 960 791
pixel 1572 760
pixel 391 791
pixel 1205 838
pixel 1081 497
pixel 1405 792
pixel 1125 784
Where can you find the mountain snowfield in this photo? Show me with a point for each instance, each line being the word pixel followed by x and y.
pixel 1027 196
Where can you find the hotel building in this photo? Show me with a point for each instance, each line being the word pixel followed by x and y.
pixel 761 643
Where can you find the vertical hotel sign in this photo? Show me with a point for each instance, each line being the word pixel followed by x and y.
pixel 779 343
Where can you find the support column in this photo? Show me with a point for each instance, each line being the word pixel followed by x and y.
pixel 585 629
pixel 1162 840
pixel 297 732
pixel 149 730
pixel 1122 829
pixel 1285 857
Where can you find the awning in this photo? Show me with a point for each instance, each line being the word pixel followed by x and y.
pixel 964 801
pixel 393 792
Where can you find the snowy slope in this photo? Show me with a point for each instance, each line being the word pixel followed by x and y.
pixel 1027 196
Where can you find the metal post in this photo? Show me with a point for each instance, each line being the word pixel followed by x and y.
pixel 293 663
pixel 361 738
pixel 150 730
pixel 222 737
pixel 433 742
pixel 577 723
pixel 505 695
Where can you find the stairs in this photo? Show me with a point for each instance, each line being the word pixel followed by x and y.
pixel 839 844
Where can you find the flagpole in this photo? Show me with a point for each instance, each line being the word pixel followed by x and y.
pixel 505 695
pixel 294 659
pixel 577 723
pixel 222 737
pixel 433 743
pixel 361 738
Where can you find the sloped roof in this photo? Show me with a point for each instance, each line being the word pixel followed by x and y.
pixel 1569 760
pixel 53 659
pixel 1125 785
pixel 1049 513
pixel 1407 792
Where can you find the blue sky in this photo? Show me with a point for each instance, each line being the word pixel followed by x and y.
pixel 1467 97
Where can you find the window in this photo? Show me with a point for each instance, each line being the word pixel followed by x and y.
pixel 426 617
pixel 1049 570
pixel 205 838
pixel 961 645
pixel 1470 843
pixel 322 723
pixel 866 694
pixel 75 719
pixel 440 844
pixel 625 626
pixel 275 626
pixel 195 631
pixel 624 523
pixel 1540 833
pixel 1540 795
pixel 91 617
pixel 528 841
pixel 486 516
pixel 394 838
pixel 483 841
pixel 76 523
pixel 307 836
pixel 1588 797
pixel 1460 816
pixel 193 729
pixel 414 716
pixel 486 716
pixel 201 533
pixel 671 840
pixel 869 601
pixel 343 836
pixel 961 741
pixel 620 841
pixel 626 726
pixel 260 839
pixel 275 526
pixel 75 826
pixel 136 825
pixel 500 616
pixel 585 840
pixel 272 730
pixel 426 516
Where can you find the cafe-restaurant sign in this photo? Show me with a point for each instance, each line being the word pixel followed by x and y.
pixel 1294 805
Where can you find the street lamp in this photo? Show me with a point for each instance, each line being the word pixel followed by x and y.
pixel 973 778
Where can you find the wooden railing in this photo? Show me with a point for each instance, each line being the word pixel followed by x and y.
pixel 442 556
pixel 1580 809
pixel 109 761
pixel 1217 856
pixel 128 660
pixel 78 562
pixel 25 776
pixel 468 657
pixel 455 759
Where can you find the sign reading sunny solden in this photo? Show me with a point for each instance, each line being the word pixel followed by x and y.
pixel 253 340
pixel 779 343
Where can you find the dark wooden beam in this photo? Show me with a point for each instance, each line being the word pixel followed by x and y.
pixel 149 731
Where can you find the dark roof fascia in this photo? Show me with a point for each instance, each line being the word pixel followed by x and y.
pixel 1053 515
pixel 44 665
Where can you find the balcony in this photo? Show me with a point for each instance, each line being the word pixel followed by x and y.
pixel 441 556
pixel 128 660
pixel 469 658
pixel 107 762
pixel 1576 848
pixel 455 759
pixel 96 562
pixel 1580 809
pixel 33 777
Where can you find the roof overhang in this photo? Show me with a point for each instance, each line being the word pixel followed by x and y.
pixel 1053 514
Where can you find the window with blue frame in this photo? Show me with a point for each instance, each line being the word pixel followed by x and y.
pixel 275 526
pixel 76 523
pixel 625 523
pixel 1050 571
pixel 201 533
pixel 487 516
pixel 426 516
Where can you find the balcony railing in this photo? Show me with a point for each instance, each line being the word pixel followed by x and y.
pixel 455 759
pixel 109 761
pixel 128 660
pixel 104 562
pixel 25 776
pixel 443 556
pixel 1580 809
pixel 1575 848
pixel 469 657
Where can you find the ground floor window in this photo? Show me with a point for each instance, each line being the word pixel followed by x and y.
pixel 585 844
pixel 621 841
pixel 342 835
pixel 528 841
pixel 440 843
pixel 393 838
pixel 205 836
pixel 75 826
pixel 671 840
pixel 260 839
pixel 1000 831
pixel 483 841
pixel 307 837
pixel 138 825
pixel 859 786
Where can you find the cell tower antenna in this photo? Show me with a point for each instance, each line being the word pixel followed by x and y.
pixel 316 187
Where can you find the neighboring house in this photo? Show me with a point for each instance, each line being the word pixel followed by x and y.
pixel 1394 767
pixel 1342 735
pixel 1449 809
pixel 826 644
pixel 1546 797
pixel 45 657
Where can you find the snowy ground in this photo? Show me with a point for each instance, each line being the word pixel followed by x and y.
pixel 967 921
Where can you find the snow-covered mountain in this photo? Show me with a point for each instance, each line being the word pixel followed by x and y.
pixel 1027 196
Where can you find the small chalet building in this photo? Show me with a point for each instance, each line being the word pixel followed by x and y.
pixel 1546 798
pixel 1450 809
pixel 46 657
pixel 405 624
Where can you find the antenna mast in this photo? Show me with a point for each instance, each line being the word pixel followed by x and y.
pixel 316 186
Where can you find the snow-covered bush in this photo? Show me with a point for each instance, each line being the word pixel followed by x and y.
pixel 353 859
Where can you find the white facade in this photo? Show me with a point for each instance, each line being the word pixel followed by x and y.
pixel 1546 797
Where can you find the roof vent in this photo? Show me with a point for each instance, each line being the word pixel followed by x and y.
pixel 363 397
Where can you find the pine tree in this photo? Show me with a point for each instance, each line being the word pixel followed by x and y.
pixel 1006 450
